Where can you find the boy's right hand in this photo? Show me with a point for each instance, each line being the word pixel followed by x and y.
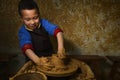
pixel 42 60
pixel 44 63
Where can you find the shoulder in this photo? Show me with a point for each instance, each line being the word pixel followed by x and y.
pixel 22 31
pixel 44 22
pixel 22 28
pixel 49 27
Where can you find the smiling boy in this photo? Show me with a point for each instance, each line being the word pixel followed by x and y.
pixel 34 33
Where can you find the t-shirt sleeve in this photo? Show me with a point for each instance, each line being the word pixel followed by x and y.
pixel 24 39
pixel 51 28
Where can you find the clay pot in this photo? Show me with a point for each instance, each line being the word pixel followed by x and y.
pixel 58 62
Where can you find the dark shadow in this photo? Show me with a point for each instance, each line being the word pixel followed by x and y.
pixel 70 47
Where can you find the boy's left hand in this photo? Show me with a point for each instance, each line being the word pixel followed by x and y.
pixel 61 53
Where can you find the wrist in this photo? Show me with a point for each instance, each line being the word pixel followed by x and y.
pixel 61 49
pixel 37 61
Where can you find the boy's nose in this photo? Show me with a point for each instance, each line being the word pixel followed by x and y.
pixel 32 21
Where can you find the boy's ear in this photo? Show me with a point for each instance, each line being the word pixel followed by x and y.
pixel 21 19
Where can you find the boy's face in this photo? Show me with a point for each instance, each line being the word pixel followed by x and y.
pixel 30 18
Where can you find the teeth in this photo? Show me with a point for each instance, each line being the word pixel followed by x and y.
pixel 32 26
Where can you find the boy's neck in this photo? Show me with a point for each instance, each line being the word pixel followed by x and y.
pixel 31 29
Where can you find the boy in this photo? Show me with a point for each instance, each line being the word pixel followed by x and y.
pixel 34 33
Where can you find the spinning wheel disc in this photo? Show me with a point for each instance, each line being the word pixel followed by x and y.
pixel 72 68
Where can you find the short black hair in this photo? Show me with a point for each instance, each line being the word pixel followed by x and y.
pixel 27 4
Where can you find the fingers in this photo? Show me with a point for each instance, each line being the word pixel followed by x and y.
pixel 46 67
pixel 61 54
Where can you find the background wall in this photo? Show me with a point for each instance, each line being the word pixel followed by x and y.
pixel 91 27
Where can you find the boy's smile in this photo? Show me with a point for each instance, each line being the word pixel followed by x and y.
pixel 30 18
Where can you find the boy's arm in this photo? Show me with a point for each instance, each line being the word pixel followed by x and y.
pixel 33 56
pixel 61 50
pixel 53 29
pixel 26 45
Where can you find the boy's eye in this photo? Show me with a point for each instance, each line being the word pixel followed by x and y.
pixel 36 17
pixel 27 19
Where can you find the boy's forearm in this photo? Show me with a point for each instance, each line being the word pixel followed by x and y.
pixel 60 41
pixel 32 56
